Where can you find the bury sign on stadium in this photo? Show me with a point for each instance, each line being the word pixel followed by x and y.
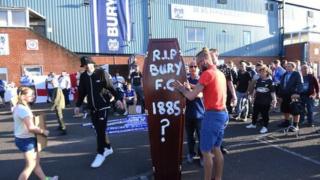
pixel 110 25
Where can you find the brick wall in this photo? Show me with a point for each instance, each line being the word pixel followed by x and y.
pixel 118 59
pixel 50 55
pixel 294 51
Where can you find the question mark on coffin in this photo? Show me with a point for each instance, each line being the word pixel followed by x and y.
pixel 164 124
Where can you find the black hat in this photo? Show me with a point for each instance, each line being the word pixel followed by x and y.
pixel 86 60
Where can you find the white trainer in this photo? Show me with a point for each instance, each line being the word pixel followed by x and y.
pixel 53 178
pixel 98 161
pixel 251 126
pixel 107 152
pixel 263 130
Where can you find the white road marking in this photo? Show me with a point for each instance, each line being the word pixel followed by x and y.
pixel 261 139
pixel 290 152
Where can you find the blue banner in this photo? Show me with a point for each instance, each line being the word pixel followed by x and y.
pixel 131 123
pixel 111 25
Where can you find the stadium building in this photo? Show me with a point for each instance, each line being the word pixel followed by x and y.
pixel 48 35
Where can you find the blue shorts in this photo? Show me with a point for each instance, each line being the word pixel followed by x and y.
pixel 26 144
pixel 212 129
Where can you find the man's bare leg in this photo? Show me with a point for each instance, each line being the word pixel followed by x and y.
pixel 218 163
pixel 208 164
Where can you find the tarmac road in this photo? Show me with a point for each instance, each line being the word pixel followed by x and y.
pixel 273 156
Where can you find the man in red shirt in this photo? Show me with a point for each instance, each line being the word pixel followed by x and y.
pixel 213 85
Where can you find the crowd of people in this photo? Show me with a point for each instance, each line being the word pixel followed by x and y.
pixel 262 88
pixel 215 93
pixel 250 90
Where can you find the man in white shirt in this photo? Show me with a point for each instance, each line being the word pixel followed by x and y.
pixel 49 86
pixel 65 85
pixel 118 81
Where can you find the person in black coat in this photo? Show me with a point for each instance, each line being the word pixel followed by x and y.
pixel 290 88
pixel 309 93
pixel 97 85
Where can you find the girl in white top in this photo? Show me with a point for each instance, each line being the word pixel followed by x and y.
pixel 24 132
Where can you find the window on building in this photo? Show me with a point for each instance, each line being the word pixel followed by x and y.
pixel 15 18
pixel 195 34
pixel 19 18
pixel 246 38
pixel 3 18
pixel 35 70
pixel 4 74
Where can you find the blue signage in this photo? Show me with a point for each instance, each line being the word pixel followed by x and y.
pixel 130 123
pixel 111 25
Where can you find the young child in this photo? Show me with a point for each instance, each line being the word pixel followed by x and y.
pixel 24 132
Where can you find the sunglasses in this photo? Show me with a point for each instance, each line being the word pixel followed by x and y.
pixel 193 66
